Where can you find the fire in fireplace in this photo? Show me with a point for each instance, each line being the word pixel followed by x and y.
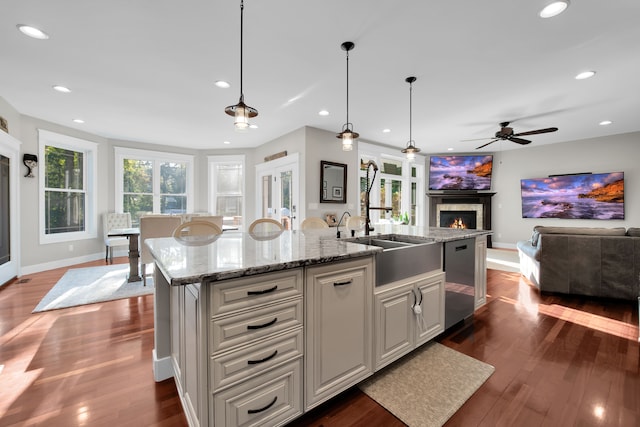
pixel 458 219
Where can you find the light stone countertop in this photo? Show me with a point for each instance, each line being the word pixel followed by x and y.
pixel 237 254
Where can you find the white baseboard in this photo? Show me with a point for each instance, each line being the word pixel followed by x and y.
pixel 162 368
pixel 66 262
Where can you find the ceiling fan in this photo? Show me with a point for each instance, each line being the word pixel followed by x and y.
pixel 506 133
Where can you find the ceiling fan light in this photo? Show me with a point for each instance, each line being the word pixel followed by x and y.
pixel 554 9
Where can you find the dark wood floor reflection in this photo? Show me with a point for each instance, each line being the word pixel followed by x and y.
pixel 559 361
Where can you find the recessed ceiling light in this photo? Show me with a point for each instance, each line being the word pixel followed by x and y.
pixel 222 84
pixel 450 149
pixel 605 122
pixel 323 113
pixel 62 89
pixel 386 130
pixel 226 142
pixel 78 121
pixel 32 32
pixel 253 126
pixel 554 9
pixel 585 75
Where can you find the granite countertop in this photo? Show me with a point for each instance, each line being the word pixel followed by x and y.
pixel 236 254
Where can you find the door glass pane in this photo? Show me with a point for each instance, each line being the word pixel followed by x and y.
pixel 5 225
pixel 267 208
pixel 392 167
pixel 285 197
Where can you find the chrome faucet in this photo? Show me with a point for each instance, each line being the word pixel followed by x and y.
pixel 339 222
pixel 367 222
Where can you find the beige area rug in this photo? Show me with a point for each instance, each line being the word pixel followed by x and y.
pixel 80 286
pixel 503 259
pixel 428 386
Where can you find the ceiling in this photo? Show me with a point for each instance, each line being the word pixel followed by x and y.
pixel 144 70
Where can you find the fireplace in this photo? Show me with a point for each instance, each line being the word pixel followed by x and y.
pixel 459 215
pixel 472 207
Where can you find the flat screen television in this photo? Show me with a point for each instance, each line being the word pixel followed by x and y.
pixel 462 172
pixel 576 196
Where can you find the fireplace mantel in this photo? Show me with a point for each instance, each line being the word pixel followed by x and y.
pixel 462 197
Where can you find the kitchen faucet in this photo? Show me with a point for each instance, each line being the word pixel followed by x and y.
pixel 339 222
pixel 367 222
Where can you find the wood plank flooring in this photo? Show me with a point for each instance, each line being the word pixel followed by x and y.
pixel 560 361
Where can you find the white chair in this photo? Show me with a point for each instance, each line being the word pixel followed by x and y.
pixel 355 223
pixel 313 222
pixel 111 220
pixel 265 225
pixel 153 226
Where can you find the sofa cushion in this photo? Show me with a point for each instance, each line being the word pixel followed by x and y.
pixel 633 232
pixel 528 249
pixel 592 231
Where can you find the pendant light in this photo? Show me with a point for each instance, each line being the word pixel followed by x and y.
pixel 347 135
pixel 411 149
pixel 241 111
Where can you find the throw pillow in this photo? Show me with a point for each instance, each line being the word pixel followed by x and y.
pixel 534 237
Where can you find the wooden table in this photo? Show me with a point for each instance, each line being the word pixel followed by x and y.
pixel 134 254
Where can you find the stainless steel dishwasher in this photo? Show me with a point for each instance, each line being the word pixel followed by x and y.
pixel 459 267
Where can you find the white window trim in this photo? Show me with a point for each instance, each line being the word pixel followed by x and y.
pixel 378 153
pixel 91 174
pixel 213 161
pixel 121 153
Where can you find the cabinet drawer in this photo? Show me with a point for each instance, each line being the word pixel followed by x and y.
pixel 270 399
pixel 238 294
pixel 249 361
pixel 245 327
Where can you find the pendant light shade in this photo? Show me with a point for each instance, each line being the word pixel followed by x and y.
pixel 411 148
pixel 347 135
pixel 241 111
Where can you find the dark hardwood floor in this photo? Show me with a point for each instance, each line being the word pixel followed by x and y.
pixel 560 361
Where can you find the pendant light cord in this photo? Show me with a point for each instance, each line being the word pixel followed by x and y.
pixel 410 111
pixel 347 90
pixel 241 43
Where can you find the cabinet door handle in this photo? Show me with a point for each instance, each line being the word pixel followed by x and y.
pixel 461 248
pixel 346 282
pixel 264 325
pixel 262 292
pixel 255 362
pixel 255 411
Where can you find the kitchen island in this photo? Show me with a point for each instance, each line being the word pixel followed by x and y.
pixel 261 328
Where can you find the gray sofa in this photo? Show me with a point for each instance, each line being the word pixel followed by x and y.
pixel 599 262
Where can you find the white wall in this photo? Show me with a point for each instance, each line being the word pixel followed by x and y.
pixel 618 153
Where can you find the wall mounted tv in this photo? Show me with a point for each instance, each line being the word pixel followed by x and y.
pixel 463 172
pixel 575 196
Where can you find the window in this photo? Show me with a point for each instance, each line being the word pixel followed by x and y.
pixel 67 188
pixel 226 177
pixel 153 182
pixel 398 185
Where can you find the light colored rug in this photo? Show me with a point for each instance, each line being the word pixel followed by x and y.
pixel 81 286
pixel 503 259
pixel 428 386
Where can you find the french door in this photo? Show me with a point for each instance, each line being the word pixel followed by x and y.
pixel 278 190
pixel 9 229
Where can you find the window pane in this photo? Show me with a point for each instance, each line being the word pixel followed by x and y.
pixel 64 168
pixel 137 176
pixel 173 178
pixel 229 205
pixel 229 179
pixel 173 204
pixel 137 205
pixel 65 212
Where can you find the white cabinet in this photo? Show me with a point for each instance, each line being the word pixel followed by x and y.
pixel 408 313
pixel 338 328
pixel 481 272
pixel 255 345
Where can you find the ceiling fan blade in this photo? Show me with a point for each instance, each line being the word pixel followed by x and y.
pixel 490 142
pixel 535 132
pixel 476 139
pixel 520 141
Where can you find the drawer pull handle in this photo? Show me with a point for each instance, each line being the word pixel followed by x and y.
pixel 346 282
pixel 264 325
pixel 264 291
pixel 255 362
pixel 255 411
pixel 461 248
